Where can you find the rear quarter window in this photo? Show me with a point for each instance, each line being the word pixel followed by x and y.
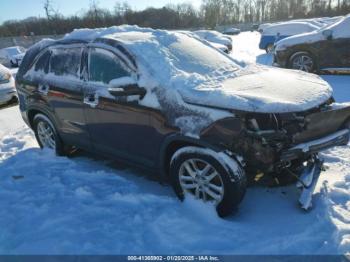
pixel 42 64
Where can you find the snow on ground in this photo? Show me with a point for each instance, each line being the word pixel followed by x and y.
pixel 84 205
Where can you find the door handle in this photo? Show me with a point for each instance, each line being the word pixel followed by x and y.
pixel 43 89
pixel 91 100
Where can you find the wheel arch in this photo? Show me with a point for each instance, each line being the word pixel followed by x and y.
pixel 301 51
pixel 175 142
pixel 33 111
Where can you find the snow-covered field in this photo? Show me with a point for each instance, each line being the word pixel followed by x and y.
pixel 83 205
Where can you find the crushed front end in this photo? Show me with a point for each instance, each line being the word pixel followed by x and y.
pixel 282 148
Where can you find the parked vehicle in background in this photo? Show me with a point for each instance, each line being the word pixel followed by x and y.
pixel 331 20
pixel 7 86
pixel 255 27
pixel 318 21
pixel 232 31
pixel 215 37
pixel 274 33
pixel 169 102
pixel 220 47
pixel 262 27
pixel 12 56
pixel 327 49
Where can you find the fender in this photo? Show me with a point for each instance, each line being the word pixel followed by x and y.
pixel 180 139
pixel 44 110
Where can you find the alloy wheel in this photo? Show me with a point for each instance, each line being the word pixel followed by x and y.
pixel 201 179
pixel 303 62
pixel 46 135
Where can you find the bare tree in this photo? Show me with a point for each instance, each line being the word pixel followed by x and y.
pixel 50 11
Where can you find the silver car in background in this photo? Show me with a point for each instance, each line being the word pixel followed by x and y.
pixel 7 86
pixel 12 56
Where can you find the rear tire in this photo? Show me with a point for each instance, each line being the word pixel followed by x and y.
pixel 47 136
pixel 204 174
pixel 303 61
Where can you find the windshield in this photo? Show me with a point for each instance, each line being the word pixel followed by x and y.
pixel 192 56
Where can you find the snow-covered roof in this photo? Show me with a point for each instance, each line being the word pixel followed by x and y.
pixel 173 58
pixel 290 28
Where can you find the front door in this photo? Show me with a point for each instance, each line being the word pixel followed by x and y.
pixel 118 126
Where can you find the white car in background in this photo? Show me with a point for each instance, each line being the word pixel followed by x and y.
pixel 7 86
pixel 12 55
pixel 232 31
pixel 215 37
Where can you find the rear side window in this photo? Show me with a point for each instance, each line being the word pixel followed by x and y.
pixel 42 64
pixel 66 61
pixel 104 66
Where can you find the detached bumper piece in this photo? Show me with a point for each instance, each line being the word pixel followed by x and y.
pixel 336 139
pixel 308 181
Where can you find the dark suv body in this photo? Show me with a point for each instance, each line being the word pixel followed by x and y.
pixel 324 50
pixel 95 93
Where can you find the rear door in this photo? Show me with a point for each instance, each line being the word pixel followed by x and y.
pixel 339 52
pixel 336 51
pixel 63 89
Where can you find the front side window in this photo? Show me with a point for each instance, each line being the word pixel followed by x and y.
pixel 104 66
pixel 66 61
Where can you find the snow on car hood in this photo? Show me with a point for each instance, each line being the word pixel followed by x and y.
pixel 203 76
pixel 264 90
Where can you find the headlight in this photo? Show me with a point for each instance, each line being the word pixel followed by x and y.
pixel 5 78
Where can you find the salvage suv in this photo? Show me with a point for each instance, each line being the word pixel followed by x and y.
pixel 169 102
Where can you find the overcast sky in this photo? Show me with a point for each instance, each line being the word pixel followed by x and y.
pixel 19 9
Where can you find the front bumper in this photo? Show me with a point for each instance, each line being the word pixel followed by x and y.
pixel 308 181
pixel 312 147
pixel 280 59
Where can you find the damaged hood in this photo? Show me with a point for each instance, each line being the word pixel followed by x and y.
pixel 263 90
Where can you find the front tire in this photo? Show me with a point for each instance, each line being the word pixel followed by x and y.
pixel 208 177
pixel 47 135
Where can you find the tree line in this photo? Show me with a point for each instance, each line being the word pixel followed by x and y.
pixel 210 14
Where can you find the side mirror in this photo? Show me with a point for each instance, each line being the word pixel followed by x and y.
pixel 125 87
pixel 328 34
